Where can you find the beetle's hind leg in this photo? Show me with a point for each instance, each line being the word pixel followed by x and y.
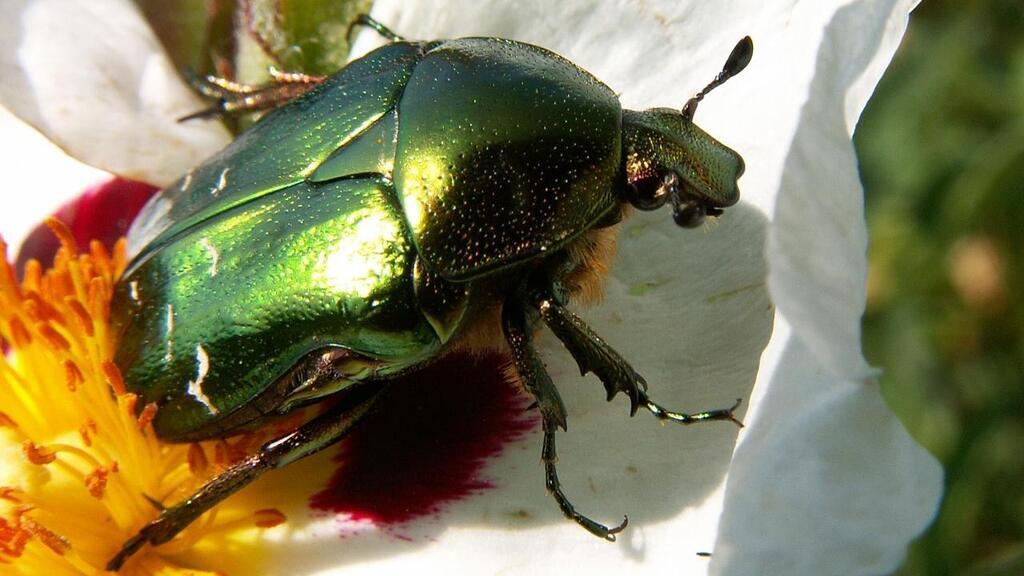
pixel 236 98
pixel 318 433
pixel 537 381
pixel 593 354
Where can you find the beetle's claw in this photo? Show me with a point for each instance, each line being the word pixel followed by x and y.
pixel 156 532
pixel 131 546
pixel 622 526
pixel 210 112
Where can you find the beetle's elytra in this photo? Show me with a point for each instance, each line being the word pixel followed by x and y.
pixel 427 198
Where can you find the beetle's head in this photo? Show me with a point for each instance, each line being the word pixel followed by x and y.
pixel 669 159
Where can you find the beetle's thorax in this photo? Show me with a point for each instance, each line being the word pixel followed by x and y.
pixel 589 257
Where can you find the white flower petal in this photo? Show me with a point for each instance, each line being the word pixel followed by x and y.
pixel 691 309
pixel 94 79
pixel 825 480
pixel 38 178
pixel 823 466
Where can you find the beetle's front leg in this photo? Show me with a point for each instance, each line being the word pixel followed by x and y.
pixel 593 354
pixel 236 98
pixel 535 378
pixel 313 436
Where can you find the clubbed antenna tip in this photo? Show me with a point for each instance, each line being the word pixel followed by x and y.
pixel 734 64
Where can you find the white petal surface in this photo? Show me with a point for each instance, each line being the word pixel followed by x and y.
pixel 94 79
pixel 824 480
pixel 691 310
pixel 38 178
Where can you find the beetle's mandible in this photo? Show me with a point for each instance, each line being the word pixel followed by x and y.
pixel 428 198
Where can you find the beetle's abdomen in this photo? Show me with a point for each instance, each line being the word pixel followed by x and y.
pixel 505 151
pixel 212 320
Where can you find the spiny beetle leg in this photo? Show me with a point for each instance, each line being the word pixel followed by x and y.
pixel 593 354
pixel 529 366
pixel 236 98
pixel 318 433
pixel 537 381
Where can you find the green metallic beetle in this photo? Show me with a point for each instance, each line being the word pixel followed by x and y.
pixel 430 197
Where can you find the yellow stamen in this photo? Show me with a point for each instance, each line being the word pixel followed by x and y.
pixel 66 410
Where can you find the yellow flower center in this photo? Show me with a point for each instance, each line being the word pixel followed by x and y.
pixel 81 469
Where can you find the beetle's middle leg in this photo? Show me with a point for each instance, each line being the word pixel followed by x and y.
pixel 535 378
pixel 237 98
pixel 593 354
pixel 311 437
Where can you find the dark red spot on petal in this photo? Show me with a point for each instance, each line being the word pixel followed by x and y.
pixel 103 212
pixel 427 444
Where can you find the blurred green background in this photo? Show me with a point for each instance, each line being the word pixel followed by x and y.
pixel 941 147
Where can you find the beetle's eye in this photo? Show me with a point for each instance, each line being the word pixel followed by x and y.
pixel 650 192
pixel 689 214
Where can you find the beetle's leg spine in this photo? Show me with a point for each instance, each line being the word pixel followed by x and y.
pixel 591 352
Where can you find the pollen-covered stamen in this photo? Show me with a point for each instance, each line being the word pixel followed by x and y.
pixel 96 481
pixel 56 382
pixel 38 455
pixel 269 517
pixel 52 540
pixel 72 375
pixel 146 415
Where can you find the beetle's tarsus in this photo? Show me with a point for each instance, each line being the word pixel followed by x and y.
pixel 370 22
pixel 237 98
pixel 549 457
pixel 131 546
pixel 318 433
pixel 707 416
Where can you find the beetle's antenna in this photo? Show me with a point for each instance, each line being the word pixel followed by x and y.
pixel 737 61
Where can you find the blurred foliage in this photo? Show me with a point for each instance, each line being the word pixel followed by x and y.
pixel 942 158
pixel 213 36
pixel 242 39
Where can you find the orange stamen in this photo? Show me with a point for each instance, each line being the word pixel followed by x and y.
pixel 269 517
pixel 38 455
